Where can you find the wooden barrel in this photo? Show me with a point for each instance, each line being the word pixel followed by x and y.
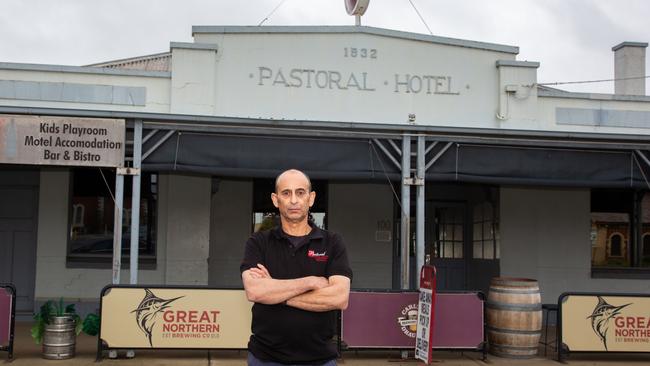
pixel 59 338
pixel 514 317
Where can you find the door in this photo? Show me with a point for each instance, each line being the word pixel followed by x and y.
pixel 18 218
pixel 447 244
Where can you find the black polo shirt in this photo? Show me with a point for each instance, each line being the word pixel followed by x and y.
pixel 283 333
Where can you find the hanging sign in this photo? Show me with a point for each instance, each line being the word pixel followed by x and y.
pixel 426 307
pixel 43 140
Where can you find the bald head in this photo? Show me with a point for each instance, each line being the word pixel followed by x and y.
pixel 293 197
pixel 292 173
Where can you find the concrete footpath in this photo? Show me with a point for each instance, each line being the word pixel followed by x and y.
pixel 28 353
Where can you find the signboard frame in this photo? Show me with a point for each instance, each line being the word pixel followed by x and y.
pixel 562 348
pixel 12 320
pixel 481 347
pixel 44 140
pixel 342 322
pixel 102 346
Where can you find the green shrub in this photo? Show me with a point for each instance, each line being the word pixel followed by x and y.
pixel 91 324
pixel 49 310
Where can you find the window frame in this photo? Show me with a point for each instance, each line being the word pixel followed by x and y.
pixel 634 242
pixel 491 224
pixel 105 261
pixel 643 246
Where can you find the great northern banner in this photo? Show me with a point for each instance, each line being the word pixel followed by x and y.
pixel 175 318
pixel 606 323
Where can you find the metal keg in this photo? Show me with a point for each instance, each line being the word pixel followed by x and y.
pixel 59 338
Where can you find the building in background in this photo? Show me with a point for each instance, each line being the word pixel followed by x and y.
pixel 520 179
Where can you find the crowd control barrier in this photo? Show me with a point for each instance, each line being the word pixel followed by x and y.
pixel 173 317
pixel 388 320
pixel 603 322
pixel 192 317
pixel 7 318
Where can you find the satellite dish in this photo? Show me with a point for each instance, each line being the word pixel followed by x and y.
pixel 356 7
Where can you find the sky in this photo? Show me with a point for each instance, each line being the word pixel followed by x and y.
pixel 572 39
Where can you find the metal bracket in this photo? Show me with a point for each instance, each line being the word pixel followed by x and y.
pixel 413 181
pixel 128 171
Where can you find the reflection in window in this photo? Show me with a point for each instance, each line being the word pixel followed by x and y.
pixel 92 215
pixel 615 245
pixel 78 212
pixel 611 212
pixel 645 230
pixel 646 250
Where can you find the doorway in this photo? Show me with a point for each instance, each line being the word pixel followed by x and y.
pixel 18 225
pixel 447 244
pixel 461 236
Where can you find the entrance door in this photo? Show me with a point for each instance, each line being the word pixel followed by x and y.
pixel 446 243
pixel 18 217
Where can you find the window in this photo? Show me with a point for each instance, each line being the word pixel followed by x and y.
pixel 449 225
pixel 486 231
pixel 265 215
pixel 616 245
pixel 646 250
pixel 92 215
pixel 645 230
pixel 620 230
pixel 78 216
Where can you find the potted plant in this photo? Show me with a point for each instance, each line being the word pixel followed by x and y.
pixel 56 327
pixel 91 324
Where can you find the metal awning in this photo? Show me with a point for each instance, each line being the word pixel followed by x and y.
pixel 248 147
pixel 263 156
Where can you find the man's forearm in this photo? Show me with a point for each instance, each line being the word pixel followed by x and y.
pixel 332 297
pixel 271 291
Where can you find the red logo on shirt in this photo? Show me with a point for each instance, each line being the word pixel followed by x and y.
pixel 318 257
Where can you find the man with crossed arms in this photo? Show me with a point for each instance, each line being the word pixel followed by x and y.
pixel 298 276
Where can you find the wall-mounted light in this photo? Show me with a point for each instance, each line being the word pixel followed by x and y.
pixel 411 117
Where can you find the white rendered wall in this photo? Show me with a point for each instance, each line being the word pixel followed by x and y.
pixel 545 236
pixel 193 81
pixel 53 279
pixel 518 95
pixel 547 119
pixel 187 229
pixel 157 89
pixel 354 212
pixel 250 84
pixel 230 227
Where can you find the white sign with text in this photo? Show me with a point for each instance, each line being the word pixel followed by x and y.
pixel 43 140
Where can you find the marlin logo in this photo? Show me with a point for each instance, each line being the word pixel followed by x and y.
pixel 147 312
pixel 600 317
